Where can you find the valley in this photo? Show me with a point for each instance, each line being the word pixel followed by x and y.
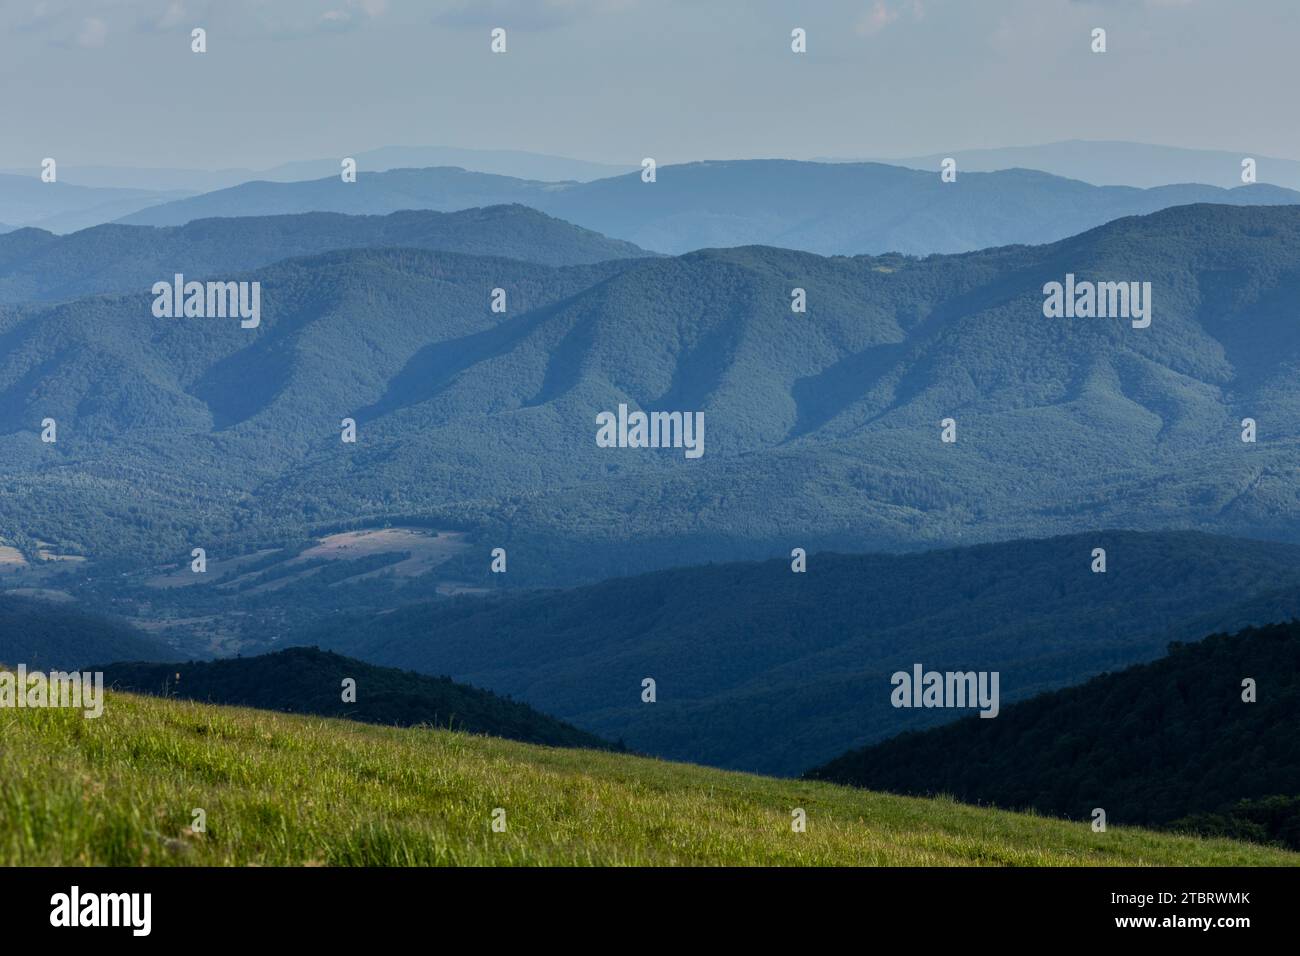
pixel 249 601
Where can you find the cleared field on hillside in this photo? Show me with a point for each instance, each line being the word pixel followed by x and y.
pixel 286 790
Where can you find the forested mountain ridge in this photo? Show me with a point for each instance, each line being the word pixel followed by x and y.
pixel 822 428
pixel 1203 739
pixel 38 266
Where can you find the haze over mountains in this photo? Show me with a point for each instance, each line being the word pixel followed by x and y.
pixel 826 208
pixel 822 428
pixel 1117 163
pixel 38 266
pixel 63 207
pixel 502 162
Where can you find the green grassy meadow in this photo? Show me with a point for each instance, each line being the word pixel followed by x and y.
pixel 285 790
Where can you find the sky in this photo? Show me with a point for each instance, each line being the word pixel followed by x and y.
pixel 96 82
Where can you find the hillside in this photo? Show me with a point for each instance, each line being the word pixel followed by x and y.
pixel 788 670
pixel 48 636
pixel 281 790
pixel 166 436
pixel 308 681
pixel 1152 744
pixel 823 429
pixel 825 208
pixel 39 266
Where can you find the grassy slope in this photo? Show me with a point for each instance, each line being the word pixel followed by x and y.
pixel 285 790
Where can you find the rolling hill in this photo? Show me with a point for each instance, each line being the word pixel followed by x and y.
pixel 1170 742
pixel 305 680
pixel 64 207
pixel 287 790
pixel 825 208
pixel 441 188
pixel 823 429
pixel 38 266
pixel 758 668
pixel 47 636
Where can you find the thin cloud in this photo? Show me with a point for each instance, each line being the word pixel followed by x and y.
pixel 91 34
pixel 881 15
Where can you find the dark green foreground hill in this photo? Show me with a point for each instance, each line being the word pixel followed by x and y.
pixel 1166 743
pixel 283 789
pixel 310 681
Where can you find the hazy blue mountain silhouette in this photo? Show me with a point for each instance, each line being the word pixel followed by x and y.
pixel 502 162
pixel 38 266
pixel 1118 163
pixel 64 207
pixel 826 208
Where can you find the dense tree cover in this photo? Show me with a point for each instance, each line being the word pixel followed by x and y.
pixel 827 208
pixel 51 636
pixel 759 668
pixel 1273 819
pixel 1170 742
pixel 821 429
pixel 310 681
pixel 39 266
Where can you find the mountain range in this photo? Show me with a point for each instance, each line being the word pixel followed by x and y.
pixel 825 208
pixel 39 266
pixel 1118 163
pixel 823 428
pixel 502 162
